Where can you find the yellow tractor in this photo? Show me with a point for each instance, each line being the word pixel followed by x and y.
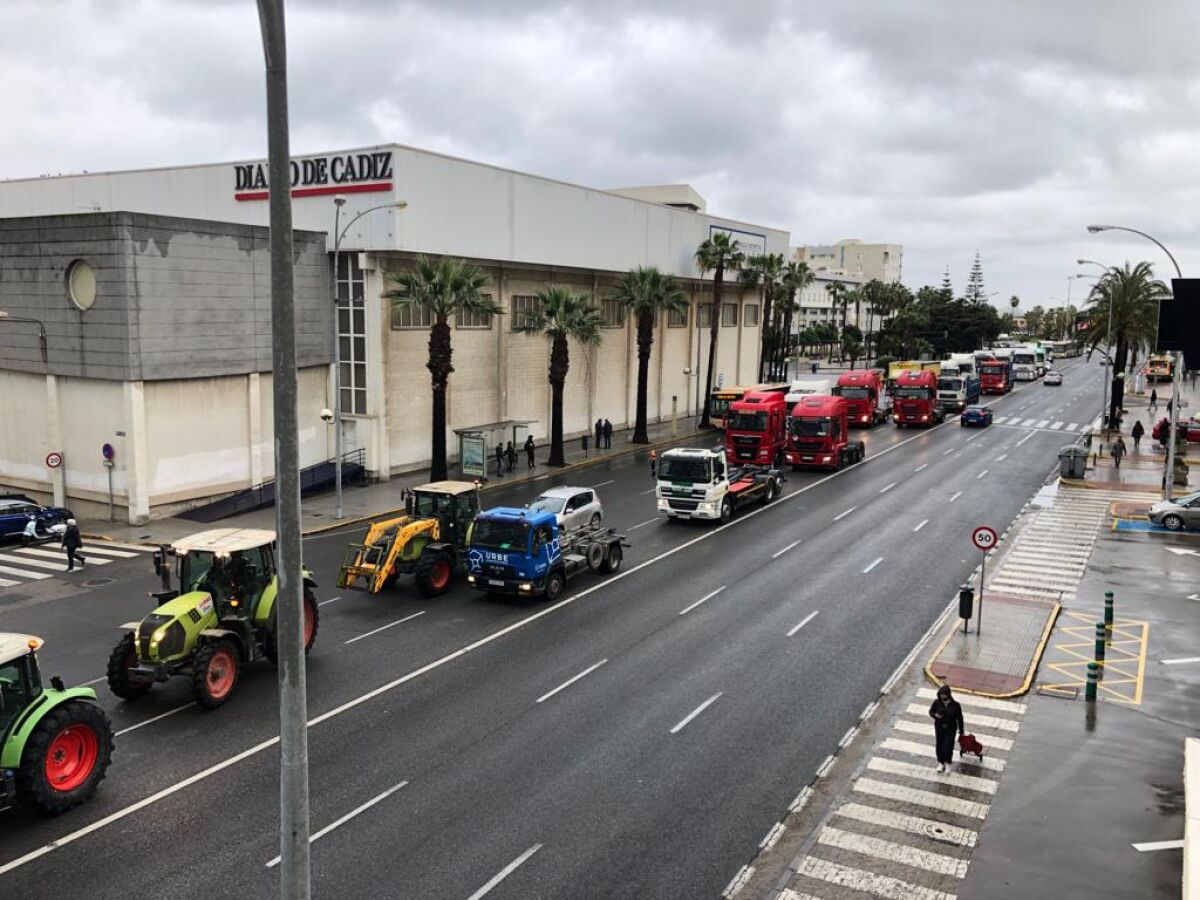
pixel 429 542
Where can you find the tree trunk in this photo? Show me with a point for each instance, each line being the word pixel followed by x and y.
pixel 718 277
pixel 439 370
pixel 765 338
pixel 1119 352
pixel 645 340
pixel 560 363
pixel 787 328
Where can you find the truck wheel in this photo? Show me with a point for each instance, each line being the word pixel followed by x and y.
pixel 1173 522
pixel 594 555
pixel 772 490
pixel 554 587
pixel 594 522
pixel 612 559
pixel 65 757
pixel 312 621
pixel 433 574
pixel 215 672
pixel 726 509
pixel 121 662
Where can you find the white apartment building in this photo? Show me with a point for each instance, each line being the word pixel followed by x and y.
pixel 882 262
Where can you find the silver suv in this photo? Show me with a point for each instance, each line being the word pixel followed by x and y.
pixel 573 506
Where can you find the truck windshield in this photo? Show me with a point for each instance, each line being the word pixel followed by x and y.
pixel 1024 359
pixel 496 535
pixel 684 470
pixel 920 393
pixel 811 426
pixel 746 421
pixel 994 370
pixel 719 406
pixel 854 393
pixel 950 384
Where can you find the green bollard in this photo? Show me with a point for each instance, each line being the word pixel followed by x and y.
pixel 1108 611
pixel 1092 677
pixel 1100 637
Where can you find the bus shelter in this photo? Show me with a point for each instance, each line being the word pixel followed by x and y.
pixel 477 445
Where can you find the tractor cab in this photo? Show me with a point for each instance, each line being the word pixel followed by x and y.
pixel 20 681
pixel 233 565
pixel 453 503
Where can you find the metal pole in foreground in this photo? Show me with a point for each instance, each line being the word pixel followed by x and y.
pixel 337 359
pixel 979 624
pixel 294 868
pixel 1169 481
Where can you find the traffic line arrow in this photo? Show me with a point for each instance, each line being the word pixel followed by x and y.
pixel 1182 551
pixel 1193 596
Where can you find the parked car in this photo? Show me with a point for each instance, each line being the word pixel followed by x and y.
pixel 1053 377
pixel 15 510
pixel 980 416
pixel 1191 429
pixel 1178 514
pixel 574 507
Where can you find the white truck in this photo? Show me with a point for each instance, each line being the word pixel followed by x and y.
pixel 694 483
pixel 1025 363
pixel 805 387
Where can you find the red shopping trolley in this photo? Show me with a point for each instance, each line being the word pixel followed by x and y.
pixel 968 743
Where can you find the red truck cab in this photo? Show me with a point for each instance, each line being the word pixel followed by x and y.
pixel 915 399
pixel 865 397
pixel 818 434
pixel 995 376
pixel 756 429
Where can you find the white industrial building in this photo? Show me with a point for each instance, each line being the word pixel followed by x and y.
pixel 190 419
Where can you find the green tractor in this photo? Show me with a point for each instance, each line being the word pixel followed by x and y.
pixel 55 743
pixel 428 543
pixel 221 617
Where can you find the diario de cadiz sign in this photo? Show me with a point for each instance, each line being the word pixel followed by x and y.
pixel 349 173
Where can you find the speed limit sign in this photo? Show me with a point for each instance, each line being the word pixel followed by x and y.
pixel 53 460
pixel 984 538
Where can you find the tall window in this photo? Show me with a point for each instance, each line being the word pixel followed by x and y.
pixel 677 318
pixel 612 312
pixel 750 316
pixel 521 306
pixel 729 315
pixel 704 315
pixel 352 334
pixel 473 319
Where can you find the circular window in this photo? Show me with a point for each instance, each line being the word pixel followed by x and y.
pixel 81 284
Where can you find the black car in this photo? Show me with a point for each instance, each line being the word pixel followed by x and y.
pixel 15 510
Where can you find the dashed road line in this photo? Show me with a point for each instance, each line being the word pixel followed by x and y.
pixel 385 627
pixel 843 515
pixel 812 615
pixel 505 872
pixel 571 681
pixel 779 553
pixel 921 524
pixel 955 497
pixel 337 823
pixel 872 565
pixel 682 723
pixel 706 597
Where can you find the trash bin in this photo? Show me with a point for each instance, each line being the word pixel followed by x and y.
pixel 1072 461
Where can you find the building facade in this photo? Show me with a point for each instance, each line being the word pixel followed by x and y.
pixel 523 231
pixel 879 262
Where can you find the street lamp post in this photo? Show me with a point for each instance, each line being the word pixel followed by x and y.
pixel 1169 480
pixel 338 234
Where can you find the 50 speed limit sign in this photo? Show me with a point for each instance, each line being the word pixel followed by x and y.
pixel 984 537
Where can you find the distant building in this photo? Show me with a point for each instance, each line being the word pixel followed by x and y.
pixel 880 262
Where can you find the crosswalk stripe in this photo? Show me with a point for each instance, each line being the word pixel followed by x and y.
pixel 1028 423
pixel 990 741
pixel 999 420
pixel 1071 426
pixel 105 550
pixel 943 832
pixel 117 545
pixel 891 851
pixel 1008 706
pixel 58 565
pixel 1056 426
pixel 789 894
pixel 867 882
pixel 925 751
pixel 1042 423
pixel 981 721
pixel 24 573
pixel 899 792
pixel 58 555
pixel 4 582
pixel 929 773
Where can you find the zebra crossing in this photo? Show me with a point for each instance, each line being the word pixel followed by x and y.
pixel 1051 424
pixel 23 565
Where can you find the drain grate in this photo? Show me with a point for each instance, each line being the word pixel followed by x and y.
pixel 98 582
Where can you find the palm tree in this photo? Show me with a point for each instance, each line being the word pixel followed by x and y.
pixel 561 316
pixel 716 254
pixel 794 278
pixel 645 292
pixel 442 289
pixel 751 276
pixel 877 296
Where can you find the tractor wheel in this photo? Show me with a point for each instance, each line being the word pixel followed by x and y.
pixel 121 662
pixel 554 587
pixel 612 559
pixel 65 757
pixel 215 672
pixel 1173 522
pixel 434 573
pixel 312 621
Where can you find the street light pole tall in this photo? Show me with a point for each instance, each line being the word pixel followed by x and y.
pixel 338 234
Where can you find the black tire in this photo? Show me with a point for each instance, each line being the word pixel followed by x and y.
pixel 120 662
pixel 35 789
pixel 1173 522
pixel 612 559
pixel 594 521
pixel 271 646
pixel 772 490
pixel 726 509
pixel 213 681
pixel 594 554
pixel 434 573
pixel 555 584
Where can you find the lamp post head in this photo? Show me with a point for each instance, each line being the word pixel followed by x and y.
pixel 339 200
pixel 1092 229
pixel 400 204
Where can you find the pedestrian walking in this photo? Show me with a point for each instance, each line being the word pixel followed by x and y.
pixel 607 434
pixel 599 434
pixel 499 458
pixel 72 542
pixel 1153 400
pixel 1168 407
pixel 1118 450
pixel 1136 433
pixel 1194 373
pixel 510 455
pixel 529 448
pixel 947 721
pixel 653 464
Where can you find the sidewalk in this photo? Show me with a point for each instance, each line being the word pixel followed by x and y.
pixel 369 501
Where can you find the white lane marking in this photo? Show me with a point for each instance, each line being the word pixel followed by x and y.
pixel 695 712
pixel 812 615
pixel 27 552
pixel 1002 457
pixel 1028 423
pixel 872 565
pixel 740 880
pixel 1071 426
pixel 1158 845
pixel 779 553
pixel 920 467
pixel 384 627
pixel 1027 437
pixel 1181 660
pixel 59 565
pixel 6 582
pixel 337 823
pixel 572 680
pixel 892 852
pixel 137 548
pixel 888 488
pixel 330 600
pixel 1042 423
pixel 948 452
pixel 773 836
pixel 801 800
pixel 93 681
pixel 708 596
pixel 826 765
pixel 651 491
pixel 1056 426
pixel 955 497
pixel 848 737
pixel 865 882
pixel 981 474
pixel 843 515
pixel 169 712
pixel 105 551
pixel 505 872
pixel 640 524
pixel 920 798
pixel 942 832
pixel 921 524
pixel 370 695
pixel 928 773
pixel 999 419
pixel 603 483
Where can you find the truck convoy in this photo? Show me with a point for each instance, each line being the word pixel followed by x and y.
pixel 957 390
pixel 694 483
pixel 916 400
pixel 522 552
pixel 818 434
pixel 995 375
pixel 867 400
pixel 895 368
pixel 806 387
pixel 756 428
pixel 722 398
pixel 1025 363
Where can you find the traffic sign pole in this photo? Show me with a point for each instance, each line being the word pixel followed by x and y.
pixel 985 538
pixel 979 624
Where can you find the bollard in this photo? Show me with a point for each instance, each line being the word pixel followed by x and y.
pixel 1092 677
pixel 1108 612
pixel 1099 654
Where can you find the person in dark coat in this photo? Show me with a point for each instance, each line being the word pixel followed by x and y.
pixel 529 448
pixel 599 434
pixel 510 454
pixel 72 542
pixel 947 721
pixel 1118 451
pixel 1154 399
pixel 1136 433
pixel 499 459
pixel 607 434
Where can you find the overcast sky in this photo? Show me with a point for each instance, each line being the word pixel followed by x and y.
pixel 948 127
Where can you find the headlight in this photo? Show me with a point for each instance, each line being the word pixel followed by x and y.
pixel 158 635
pixel 526 586
pixel 470 579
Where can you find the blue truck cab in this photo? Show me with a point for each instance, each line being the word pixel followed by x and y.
pixel 523 552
